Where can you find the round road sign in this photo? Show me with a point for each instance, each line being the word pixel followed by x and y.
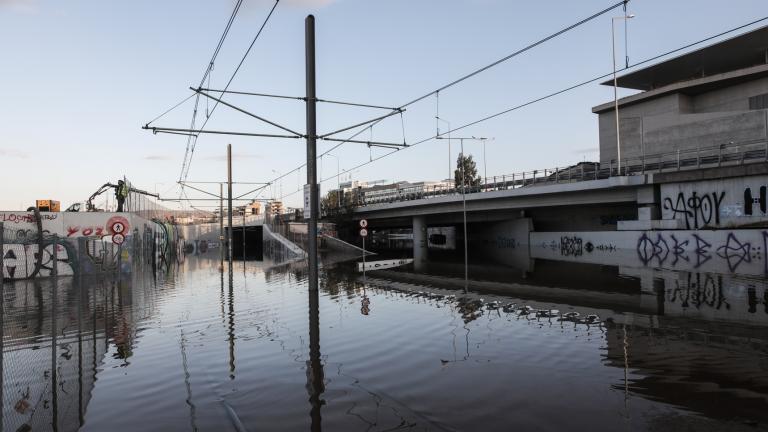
pixel 363 232
pixel 118 227
pixel 363 223
pixel 118 239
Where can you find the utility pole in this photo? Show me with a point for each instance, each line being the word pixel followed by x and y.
pixel 229 202
pixel 309 40
pixel 221 223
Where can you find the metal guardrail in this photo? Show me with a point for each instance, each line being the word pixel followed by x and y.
pixel 703 157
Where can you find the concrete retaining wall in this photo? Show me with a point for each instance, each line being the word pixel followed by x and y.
pixel 722 203
pixel 721 251
pixel 22 243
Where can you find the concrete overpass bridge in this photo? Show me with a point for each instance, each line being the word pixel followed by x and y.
pixel 716 194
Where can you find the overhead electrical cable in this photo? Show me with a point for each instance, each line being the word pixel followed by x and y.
pixel 472 74
pixel 545 97
pixel 229 82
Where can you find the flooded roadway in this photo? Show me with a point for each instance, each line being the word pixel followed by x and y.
pixel 566 346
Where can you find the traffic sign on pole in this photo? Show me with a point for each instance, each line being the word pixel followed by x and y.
pixel 363 223
pixel 363 232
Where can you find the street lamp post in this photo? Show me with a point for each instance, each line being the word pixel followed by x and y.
pixel 485 164
pixel 615 85
pixel 439 136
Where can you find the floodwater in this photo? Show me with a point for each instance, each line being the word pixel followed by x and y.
pixel 560 347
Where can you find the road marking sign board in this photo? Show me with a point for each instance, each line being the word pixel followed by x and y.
pixel 118 239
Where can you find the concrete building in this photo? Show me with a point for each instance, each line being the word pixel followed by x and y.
pixel 711 99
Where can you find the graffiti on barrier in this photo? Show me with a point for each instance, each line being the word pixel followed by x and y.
pixel 696 210
pixel 25 217
pixel 698 291
pixel 505 242
pixel 86 231
pixel 571 246
pixel 751 203
pixel 733 251
pixel 24 261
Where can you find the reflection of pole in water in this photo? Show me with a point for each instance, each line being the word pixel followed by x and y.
pixel 626 368
pixel 2 322
pixel 54 298
pixel 80 295
pixel 315 378
pixel 187 384
pixel 231 329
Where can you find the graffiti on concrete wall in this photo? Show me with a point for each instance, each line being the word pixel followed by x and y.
pixel 697 210
pixel 24 261
pixel 756 202
pixel 571 246
pixel 719 203
pixel 666 248
pixel 17 218
pixel 723 251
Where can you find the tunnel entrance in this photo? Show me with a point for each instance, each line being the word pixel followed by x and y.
pixel 248 243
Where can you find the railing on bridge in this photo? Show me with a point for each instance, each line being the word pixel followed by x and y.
pixel 704 157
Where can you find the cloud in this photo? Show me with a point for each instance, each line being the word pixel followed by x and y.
pixel 157 157
pixel 13 153
pixel 25 6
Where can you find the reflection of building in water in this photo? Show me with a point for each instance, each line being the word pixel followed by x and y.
pixel 704 366
pixel 42 388
pixel 693 340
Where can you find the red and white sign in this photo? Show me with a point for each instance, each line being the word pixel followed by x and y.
pixel 118 239
pixel 363 232
pixel 363 223
pixel 118 225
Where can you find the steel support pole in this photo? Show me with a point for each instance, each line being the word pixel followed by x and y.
pixel 464 211
pixel 311 149
pixel 221 223
pixel 229 202
pixel 616 95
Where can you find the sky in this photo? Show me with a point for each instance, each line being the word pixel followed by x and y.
pixel 80 78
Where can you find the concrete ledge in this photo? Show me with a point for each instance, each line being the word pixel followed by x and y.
pixel 614 189
pixel 648 225
pixel 751 169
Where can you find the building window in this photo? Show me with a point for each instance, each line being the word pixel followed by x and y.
pixel 758 102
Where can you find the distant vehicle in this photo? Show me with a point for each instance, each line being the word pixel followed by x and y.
pixel 76 207
pixel 48 205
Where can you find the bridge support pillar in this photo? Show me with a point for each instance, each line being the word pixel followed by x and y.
pixel 419 242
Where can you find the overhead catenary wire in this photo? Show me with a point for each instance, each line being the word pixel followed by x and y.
pixel 191 141
pixel 474 73
pixel 188 163
pixel 545 97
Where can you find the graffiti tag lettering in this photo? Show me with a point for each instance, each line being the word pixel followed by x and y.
pixel 697 210
pixel 571 246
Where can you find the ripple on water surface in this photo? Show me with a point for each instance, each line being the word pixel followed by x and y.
pixel 198 349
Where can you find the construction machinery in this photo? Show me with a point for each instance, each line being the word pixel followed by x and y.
pixel 48 206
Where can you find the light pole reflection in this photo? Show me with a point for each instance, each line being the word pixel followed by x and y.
pixel 315 375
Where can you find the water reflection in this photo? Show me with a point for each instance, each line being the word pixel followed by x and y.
pixel 193 347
